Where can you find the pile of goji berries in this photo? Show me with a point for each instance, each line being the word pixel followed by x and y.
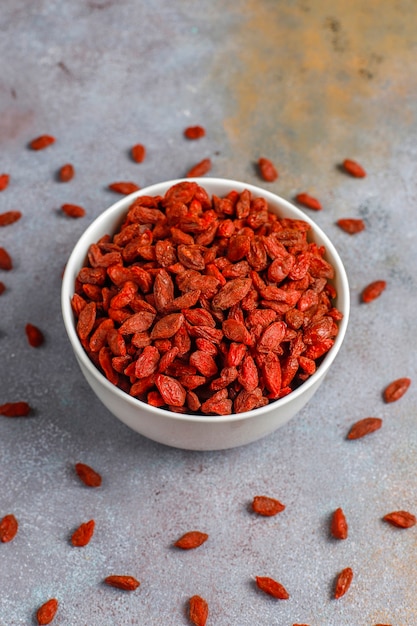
pixel 206 304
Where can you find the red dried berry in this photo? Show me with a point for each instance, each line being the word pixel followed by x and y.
pixel 353 168
pixel 264 505
pixel 124 188
pixel 82 536
pixel 272 587
pixel 2 288
pixel 395 390
pixel 6 262
pixel 41 142
pixel 400 519
pixel 15 409
pixel 89 477
pixel 127 583
pixel 267 170
pixel 194 132
pixel 73 210
pixel 308 201
pixel 351 225
pixel 138 153
pixel 47 612
pixel 8 528
pixel 4 181
pixel 192 539
pixel 364 427
pixel 338 526
pixel 343 582
pixel 9 217
pixel 373 290
pixel 199 169
pixel 198 611
pixel 34 335
pixel 66 173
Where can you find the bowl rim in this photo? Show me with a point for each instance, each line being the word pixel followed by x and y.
pixel 78 255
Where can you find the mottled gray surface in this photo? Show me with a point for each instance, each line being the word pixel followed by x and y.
pixel 306 84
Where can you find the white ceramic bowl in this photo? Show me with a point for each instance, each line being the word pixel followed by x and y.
pixel 199 432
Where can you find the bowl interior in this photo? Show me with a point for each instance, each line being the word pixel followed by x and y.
pixel 108 223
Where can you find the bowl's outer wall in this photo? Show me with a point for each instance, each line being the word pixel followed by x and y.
pixel 185 431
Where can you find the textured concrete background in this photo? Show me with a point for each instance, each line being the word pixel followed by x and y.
pixel 305 83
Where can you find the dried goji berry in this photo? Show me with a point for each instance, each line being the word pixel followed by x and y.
pixel 15 409
pixel 343 582
pixel 87 475
pixel 6 262
pixel 351 225
pixel 34 335
pixel 198 611
pixel 338 526
pixel 138 153
pixel 272 587
pixel 46 613
pixel 267 170
pixel 191 539
pixel 41 142
pixel 395 390
pixel 353 168
pixel 66 173
pixel 4 181
pixel 124 188
pixel 127 583
pixel 400 519
pixel 194 132
pixel 264 505
pixel 8 528
pixel 364 427
pixel 199 169
pixel 73 210
pixel 2 288
pixel 308 201
pixel 82 536
pixel 373 290
pixel 9 217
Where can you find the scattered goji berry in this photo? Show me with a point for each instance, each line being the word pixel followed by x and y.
pixel 34 335
pixel 46 613
pixel 8 528
pixel 127 583
pixel 364 427
pixel 373 290
pixel 400 519
pixel 395 390
pixel 124 188
pixel 199 169
pixel 9 217
pixel 267 170
pixel 138 153
pixel 351 225
pixel 82 536
pixel 6 262
pixel 272 587
pixel 73 210
pixel 87 475
pixel 194 132
pixel 198 611
pixel 2 287
pixel 66 173
pixel 15 409
pixel 41 142
pixel 343 582
pixel 338 526
pixel 4 181
pixel 264 505
pixel 353 168
pixel 191 539
pixel 308 201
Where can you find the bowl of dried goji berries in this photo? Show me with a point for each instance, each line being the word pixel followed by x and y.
pixel 204 313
